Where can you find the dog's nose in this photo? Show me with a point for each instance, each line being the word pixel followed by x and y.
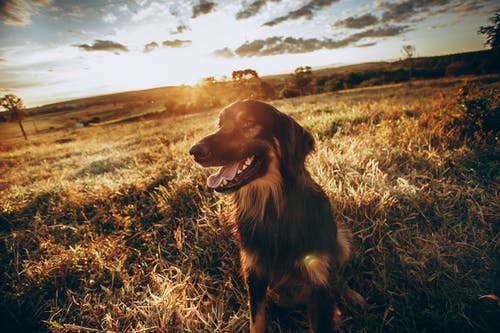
pixel 199 150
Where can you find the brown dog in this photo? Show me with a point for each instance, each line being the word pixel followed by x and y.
pixel 291 249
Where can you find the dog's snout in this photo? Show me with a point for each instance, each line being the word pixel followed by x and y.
pixel 199 151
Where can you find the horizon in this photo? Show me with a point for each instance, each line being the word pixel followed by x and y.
pixel 54 51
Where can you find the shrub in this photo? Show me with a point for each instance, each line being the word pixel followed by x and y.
pixel 479 116
pixel 457 68
pixel 289 92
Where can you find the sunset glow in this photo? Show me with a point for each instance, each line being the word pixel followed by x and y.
pixel 57 50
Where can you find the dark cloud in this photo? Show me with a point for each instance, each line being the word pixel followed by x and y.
pixel 76 32
pixel 306 11
pixel 150 47
pixel 204 7
pixel 357 22
pixel 379 32
pixel 415 11
pixel 398 12
pixel 18 12
pixel 176 43
pixel 103 45
pixel 367 44
pixel 280 45
pixel 180 29
pixel 224 53
pixel 252 9
pixel 473 6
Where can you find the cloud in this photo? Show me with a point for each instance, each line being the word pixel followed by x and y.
pixel 42 2
pixel 398 12
pixel 281 45
pixel 147 12
pixel 416 11
pixel 357 22
pixel 15 13
pixel 252 9
pixel 180 29
pixel 103 45
pixel 150 47
pixel 367 44
pixel 176 43
pixel 18 12
pixel 379 32
pixel 77 32
pixel 123 8
pixel 109 18
pixel 306 11
pixel 204 7
pixel 224 53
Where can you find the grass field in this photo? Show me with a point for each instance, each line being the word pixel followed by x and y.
pixel 112 229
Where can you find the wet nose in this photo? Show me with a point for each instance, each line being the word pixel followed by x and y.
pixel 199 151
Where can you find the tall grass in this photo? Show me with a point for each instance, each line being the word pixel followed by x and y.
pixel 112 228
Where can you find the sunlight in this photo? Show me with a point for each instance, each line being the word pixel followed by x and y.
pixel 139 71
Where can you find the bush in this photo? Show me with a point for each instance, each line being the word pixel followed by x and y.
pixel 457 68
pixel 479 116
pixel 289 92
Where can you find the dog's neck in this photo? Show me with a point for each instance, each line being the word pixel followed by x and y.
pixel 255 199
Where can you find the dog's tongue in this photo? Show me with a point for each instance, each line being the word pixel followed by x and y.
pixel 227 172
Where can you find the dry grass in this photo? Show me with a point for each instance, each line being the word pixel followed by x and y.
pixel 112 229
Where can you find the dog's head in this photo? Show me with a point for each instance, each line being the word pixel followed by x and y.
pixel 252 135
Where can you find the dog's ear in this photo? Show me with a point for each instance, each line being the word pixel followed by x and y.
pixel 296 143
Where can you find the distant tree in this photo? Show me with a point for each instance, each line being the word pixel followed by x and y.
pixel 408 53
pixel 303 80
pixel 267 90
pixel 288 92
pixel 208 80
pixel 15 106
pixel 245 74
pixel 249 84
pixel 333 84
pixel 491 32
pixel 457 68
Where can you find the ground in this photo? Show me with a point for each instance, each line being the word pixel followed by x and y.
pixel 112 228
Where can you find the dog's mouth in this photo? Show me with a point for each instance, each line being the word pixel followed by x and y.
pixel 232 176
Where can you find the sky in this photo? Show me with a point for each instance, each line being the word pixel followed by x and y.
pixel 52 50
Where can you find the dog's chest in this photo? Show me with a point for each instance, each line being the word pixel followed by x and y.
pixel 268 241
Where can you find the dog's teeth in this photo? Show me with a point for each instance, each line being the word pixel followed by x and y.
pixel 248 162
pixel 224 182
pixel 239 171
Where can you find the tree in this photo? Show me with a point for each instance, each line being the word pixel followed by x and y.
pixel 15 106
pixel 208 80
pixel 244 75
pixel 248 82
pixel 491 32
pixel 304 80
pixel 409 52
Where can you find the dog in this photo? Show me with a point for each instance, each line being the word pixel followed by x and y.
pixel 291 249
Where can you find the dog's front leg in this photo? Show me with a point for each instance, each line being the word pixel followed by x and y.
pixel 257 298
pixel 320 310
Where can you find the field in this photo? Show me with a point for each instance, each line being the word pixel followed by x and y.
pixel 111 228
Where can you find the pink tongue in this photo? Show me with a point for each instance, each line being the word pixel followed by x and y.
pixel 227 172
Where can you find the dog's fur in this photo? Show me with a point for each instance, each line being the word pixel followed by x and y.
pixel 291 249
